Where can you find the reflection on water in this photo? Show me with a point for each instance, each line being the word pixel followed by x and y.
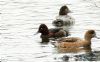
pixel 19 20
pixel 86 57
pixel 90 56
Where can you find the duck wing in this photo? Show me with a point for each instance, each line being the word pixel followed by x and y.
pixel 70 39
pixel 54 30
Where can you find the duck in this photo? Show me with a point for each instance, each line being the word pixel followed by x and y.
pixel 74 50
pixel 51 33
pixel 63 18
pixel 76 42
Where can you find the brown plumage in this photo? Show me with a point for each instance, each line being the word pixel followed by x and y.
pixel 73 50
pixel 63 19
pixel 64 10
pixel 51 33
pixel 74 42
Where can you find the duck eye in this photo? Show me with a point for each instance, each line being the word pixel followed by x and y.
pixel 41 28
pixel 92 32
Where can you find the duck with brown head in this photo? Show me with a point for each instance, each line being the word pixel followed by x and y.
pixel 64 10
pixel 63 18
pixel 51 33
pixel 74 42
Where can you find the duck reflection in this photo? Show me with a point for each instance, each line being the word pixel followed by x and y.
pixel 89 56
pixel 80 54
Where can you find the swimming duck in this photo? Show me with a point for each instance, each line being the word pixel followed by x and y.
pixel 72 42
pixel 74 50
pixel 51 33
pixel 63 18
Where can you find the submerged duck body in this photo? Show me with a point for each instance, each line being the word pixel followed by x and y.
pixel 63 18
pixel 74 42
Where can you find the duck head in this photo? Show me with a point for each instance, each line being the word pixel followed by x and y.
pixel 90 34
pixel 64 10
pixel 43 29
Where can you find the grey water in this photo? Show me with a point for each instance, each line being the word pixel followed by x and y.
pixel 20 19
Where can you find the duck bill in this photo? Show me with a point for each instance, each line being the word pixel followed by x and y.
pixel 36 33
pixel 97 37
pixel 69 11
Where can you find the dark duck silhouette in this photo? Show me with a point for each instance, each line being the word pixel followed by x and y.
pixel 46 33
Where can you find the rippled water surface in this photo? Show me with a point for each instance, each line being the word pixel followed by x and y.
pixel 20 19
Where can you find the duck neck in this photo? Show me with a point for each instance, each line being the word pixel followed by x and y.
pixel 87 38
pixel 46 32
pixel 87 42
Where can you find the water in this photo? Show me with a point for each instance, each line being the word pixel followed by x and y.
pixel 20 19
